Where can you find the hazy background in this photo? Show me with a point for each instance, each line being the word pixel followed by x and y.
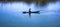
pixel 11 13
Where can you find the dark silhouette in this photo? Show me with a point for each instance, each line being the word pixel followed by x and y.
pixel 36 12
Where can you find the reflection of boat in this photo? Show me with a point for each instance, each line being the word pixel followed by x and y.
pixel 30 12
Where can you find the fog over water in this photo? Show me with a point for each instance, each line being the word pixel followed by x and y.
pixel 11 15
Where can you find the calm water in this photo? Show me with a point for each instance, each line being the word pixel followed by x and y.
pixel 11 15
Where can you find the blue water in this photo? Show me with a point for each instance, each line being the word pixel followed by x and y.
pixel 11 15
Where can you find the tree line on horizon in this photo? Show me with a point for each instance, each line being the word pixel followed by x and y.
pixel 41 2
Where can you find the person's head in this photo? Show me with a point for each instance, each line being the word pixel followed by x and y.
pixel 29 8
